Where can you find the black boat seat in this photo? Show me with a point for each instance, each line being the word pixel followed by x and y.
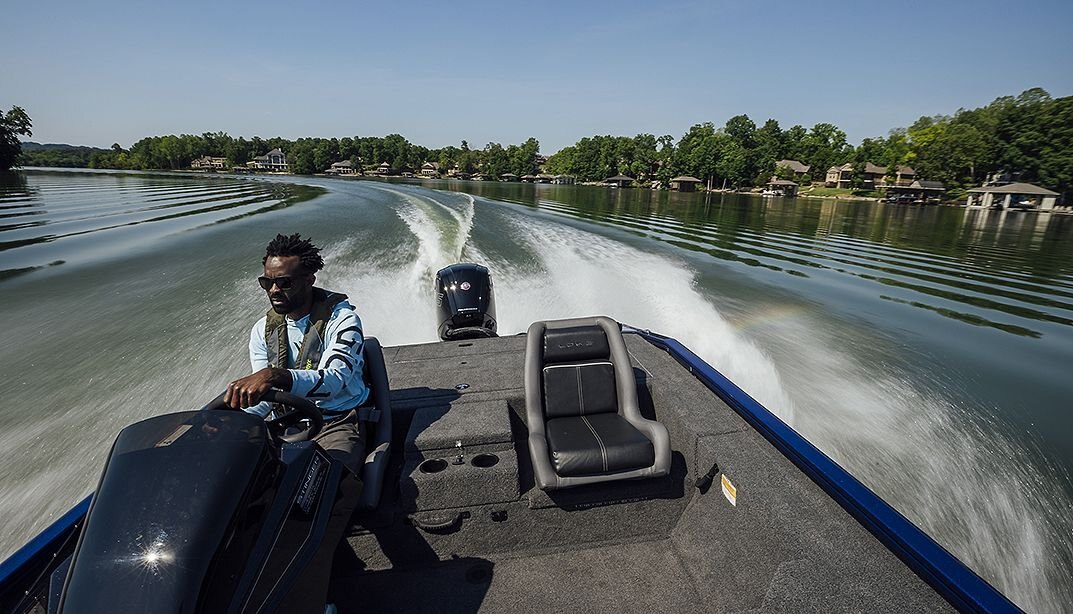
pixel 585 424
pixel 378 431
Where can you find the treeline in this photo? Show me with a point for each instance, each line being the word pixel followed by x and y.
pixel 307 156
pixel 60 156
pixel 1030 135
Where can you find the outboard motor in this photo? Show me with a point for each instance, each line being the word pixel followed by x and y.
pixel 465 302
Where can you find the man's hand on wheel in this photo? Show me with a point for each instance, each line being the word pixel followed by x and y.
pixel 247 392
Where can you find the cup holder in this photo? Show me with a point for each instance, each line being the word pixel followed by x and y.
pixel 433 465
pixel 485 461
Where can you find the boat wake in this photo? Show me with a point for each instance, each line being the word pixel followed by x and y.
pixel 942 462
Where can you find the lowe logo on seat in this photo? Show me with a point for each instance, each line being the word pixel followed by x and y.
pixel 574 344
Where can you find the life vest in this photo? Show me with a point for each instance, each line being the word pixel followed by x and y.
pixel 312 347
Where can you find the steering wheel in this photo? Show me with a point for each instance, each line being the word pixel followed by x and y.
pixel 304 409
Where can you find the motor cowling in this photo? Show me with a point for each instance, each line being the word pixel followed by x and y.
pixel 465 302
pixel 175 516
pixel 201 512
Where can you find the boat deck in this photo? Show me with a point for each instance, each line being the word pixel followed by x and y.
pixel 480 537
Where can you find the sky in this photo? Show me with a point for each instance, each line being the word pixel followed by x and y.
pixel 97 73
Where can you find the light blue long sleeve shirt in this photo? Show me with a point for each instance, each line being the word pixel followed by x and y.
pixel 336 385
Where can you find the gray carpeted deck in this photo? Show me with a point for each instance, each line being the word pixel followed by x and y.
pixel 644 576
pixel 498 544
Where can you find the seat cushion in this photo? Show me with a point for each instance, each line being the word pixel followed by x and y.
pixel 579 389
pixel 597 444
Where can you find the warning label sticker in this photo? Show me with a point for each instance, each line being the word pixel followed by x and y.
pixel 729 491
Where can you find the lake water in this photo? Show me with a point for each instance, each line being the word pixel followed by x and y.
pixel 927 350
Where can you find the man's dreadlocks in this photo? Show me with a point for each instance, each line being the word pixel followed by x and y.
pixel 294 245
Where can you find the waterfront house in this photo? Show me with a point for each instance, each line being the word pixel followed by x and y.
pixel 796 167
pixel 383 169
pixel 529 178
pixel 619 181
pixel 873 176
pixel 1012 195
pixel 346 167
pixel 508 177
pixel 685 183
pixel 273 161
pixel 430 169
pixel 781 187
pixel 209 163
pixel 564 180
pixel 840 176
pixel 903 176
pixel 544 178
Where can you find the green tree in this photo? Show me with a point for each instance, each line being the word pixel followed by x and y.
pixel 794 144
pixel 494 160
pixel 12 124
pixel 770 148
pixel 698 152
pixel 733 163
pixel 1056 164
pixel 823 147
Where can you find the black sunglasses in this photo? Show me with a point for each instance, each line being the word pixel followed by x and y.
pixel 284 283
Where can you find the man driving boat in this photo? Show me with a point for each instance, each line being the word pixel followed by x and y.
pixel 310 344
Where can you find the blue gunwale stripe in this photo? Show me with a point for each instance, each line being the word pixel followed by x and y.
pixel 43 545
pixel 951 578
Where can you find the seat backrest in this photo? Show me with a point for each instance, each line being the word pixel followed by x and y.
pixel 578 373
pixel 378 433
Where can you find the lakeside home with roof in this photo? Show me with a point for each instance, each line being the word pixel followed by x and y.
pixel 430 169
pixel 839 176
pixel 798 168
pixel 209 163
pixel 273 161
pixel 903 176
pixel 874 176
pixel 346 167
